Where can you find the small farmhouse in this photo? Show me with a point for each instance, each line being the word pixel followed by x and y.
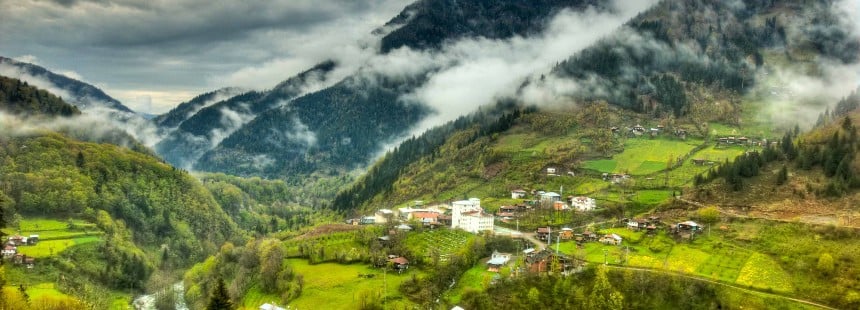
pixel 611 239
pixel 582 203
pixel 518 194
pixel 497 261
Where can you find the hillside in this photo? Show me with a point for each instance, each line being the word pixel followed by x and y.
pixel 126 203
pixel 428 24
pixel 83 95
pixel 811 180
pixel 20 98
pixel 344 125
pixel 656 78
pixel 200 132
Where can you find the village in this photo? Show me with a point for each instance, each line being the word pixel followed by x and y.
pixel 540 248
pixel 10 250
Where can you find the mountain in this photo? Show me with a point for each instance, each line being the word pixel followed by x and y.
pixel 20 98
pixel 185 110
pixel 428 24
pixel 712 66
pixel 203 130
pixel 81 94
pixel 345 125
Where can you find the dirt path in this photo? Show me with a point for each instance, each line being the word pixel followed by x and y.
pixel 703 279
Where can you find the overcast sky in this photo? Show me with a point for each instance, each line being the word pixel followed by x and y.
pixel 154 54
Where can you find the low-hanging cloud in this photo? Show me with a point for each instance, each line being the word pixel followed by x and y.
pixel 129 47
pixel 470 73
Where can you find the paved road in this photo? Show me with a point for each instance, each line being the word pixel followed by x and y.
pixel 539 245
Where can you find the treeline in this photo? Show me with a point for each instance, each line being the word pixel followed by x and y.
pixel 842 108
pixel 381 177
pixel 265 206
pixel 835 156
pixel 260 263
pixel 18 97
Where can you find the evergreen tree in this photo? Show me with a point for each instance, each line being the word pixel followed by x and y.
pixel 219 299
pixel 783 176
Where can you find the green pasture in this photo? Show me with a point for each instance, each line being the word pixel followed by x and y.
pixel 336 286
pixel 643 156
pixel 54 236
pixel 707 256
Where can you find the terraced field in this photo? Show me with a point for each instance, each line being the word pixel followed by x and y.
pixel 444 242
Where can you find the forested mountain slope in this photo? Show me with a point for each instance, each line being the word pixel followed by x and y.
pixel 191 136
pixel 428 24
pixel 83 95
pixel 17 97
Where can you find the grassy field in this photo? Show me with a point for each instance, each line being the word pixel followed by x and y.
pixel 477 278
pixel 54 236
pixel 336 286
pixel 445 242
pixel 707 256
pixel 642 156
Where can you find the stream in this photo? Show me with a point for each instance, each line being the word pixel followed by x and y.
pixel 147 302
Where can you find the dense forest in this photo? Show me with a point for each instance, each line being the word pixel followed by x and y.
pixel 17 97
pixel 138 201
pixel 386 171
pixel 428 24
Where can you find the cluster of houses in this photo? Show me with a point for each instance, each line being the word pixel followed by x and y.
pixel 464 214
pixel 744 141
pixel 639 130
pixel 10 250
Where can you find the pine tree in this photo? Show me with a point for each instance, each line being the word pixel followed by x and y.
pixel 783 176
pixel 219 299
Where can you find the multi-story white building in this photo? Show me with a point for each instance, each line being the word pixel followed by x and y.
pixel 469 216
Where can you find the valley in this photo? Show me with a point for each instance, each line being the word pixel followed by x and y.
pixel 562 154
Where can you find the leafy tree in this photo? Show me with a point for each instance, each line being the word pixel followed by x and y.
pixel 710 216
pixel 219 299
pixel 825 263
pixel 603 295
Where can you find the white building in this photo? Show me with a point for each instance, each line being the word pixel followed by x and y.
pixel 582 203
pixel 383 216
pixel 469 216
pixel 518 193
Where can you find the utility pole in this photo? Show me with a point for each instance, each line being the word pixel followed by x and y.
pixel 605 259
pixel 557 242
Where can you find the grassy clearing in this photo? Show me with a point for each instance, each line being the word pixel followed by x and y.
pixel 762 272
pixel 477 278
pixel 54 236
pixel 336 286
pixel 643 156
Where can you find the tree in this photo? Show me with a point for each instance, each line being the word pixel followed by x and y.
pixel 782 177
pixel 709 215
pixel 219 299
pixel 603 296
pixel 825 263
